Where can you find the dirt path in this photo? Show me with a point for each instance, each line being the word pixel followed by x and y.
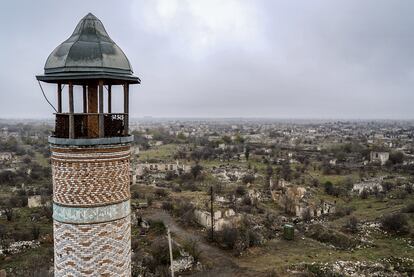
pixel 222 263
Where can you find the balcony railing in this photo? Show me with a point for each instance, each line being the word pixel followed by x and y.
pixel 87 125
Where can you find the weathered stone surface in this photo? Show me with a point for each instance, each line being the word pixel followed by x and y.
pixel 82 215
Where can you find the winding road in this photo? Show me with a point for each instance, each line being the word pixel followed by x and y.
pixel 221 263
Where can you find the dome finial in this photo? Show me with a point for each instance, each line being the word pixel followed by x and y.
pixel 90 16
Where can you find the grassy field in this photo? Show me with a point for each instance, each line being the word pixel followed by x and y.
pixel 41 159
pixel 22 226
pixel 279 254
pixel 163 152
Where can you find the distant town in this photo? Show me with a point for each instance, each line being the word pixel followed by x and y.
pixel 242 197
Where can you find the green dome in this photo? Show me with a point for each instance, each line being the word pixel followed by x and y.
pixel 89 53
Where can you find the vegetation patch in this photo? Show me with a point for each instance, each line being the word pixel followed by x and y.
pixel 385 267
pixel 337 239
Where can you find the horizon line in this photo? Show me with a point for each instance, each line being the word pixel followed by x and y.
pixel 232 118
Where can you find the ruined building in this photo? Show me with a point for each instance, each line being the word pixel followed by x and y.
pixel 90 154
pixel 380 157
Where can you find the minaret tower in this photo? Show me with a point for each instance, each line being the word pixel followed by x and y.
pixel 90 154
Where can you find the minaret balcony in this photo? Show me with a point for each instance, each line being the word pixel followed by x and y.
pixel 90 125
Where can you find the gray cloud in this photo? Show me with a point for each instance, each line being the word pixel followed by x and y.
pixel 329 59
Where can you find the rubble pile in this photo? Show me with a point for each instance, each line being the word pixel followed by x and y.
pixel 19 246
pixel 184 263
pixel 389 267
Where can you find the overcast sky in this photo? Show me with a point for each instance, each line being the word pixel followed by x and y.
pixel 228 58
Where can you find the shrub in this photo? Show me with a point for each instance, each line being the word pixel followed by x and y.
pixel 364 194
pixel 396 157
pixel 248 178
pixel 185 177
pixel 307 216
pixel 162 271
pixel 319 270
pixel 247 201
pixel 8 212
pixel 18 201
pixel 134 244
pixel 351 224
pixel 409 208
pixel 149 198
pixel 315 182
pixel 240 191
pixel 342 211
pixel 325 235
pixel 19 234
pixel 170 176
pixel 185 212
pixel 196 170
pixel 35 232
pixel 157 226
pixel 160 251
pixel 395 223
pixel 168 206
pixel 191 247
pixel 190 186
pixel 254 238
pixel 181 207
pixel 330 189
pixel 161 193
pixel 380 196
pixel 400 194
pixel 229 237
pixel 47 211
pixel 176 189
pixel 218 188
pixel 387 186
pixel 135 195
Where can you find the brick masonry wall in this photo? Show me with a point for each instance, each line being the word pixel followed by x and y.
pixel 85 178
pixel 102 249
pixel 90 176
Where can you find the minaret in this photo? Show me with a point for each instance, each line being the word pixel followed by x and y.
pixel 90 154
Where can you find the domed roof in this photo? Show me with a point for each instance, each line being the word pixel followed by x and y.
pixel 89 53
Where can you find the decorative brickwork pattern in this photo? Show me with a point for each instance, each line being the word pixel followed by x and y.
pixel 92 227
pixel 102 249
pixel 90 176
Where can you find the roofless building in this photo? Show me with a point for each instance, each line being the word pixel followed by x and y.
pixel 90 154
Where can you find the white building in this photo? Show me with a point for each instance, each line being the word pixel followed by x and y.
pixel 381 157
pixel 161 167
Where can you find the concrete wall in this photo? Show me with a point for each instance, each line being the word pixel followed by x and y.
pixel 160 167
pixel 230 219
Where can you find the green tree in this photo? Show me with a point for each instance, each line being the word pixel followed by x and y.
pixel 239 139
pixel 329 187
pixel 286 171
pixel 247 152
pixel 196 170
pixel 396 157
pixel 226 139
